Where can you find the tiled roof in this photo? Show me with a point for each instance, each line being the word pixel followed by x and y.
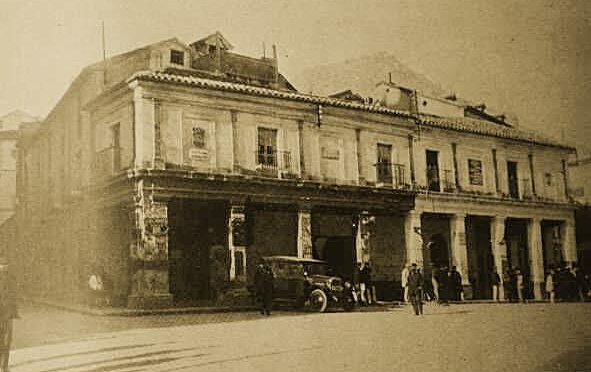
pixel 259 91
pixel 458 124
pixel 485 128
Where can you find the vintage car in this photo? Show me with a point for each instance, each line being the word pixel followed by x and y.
pixel 307 283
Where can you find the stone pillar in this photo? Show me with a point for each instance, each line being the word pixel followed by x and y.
pixel 499 249
pixel 304 233
pixel 158 159
pixel 413 239
pixel 459 252
pixel 237 241
pixel 536 256
pixel 138 126
pixel 149 254
pixel 362 240
pixel 569 248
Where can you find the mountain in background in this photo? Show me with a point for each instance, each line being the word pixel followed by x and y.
pixel 361 76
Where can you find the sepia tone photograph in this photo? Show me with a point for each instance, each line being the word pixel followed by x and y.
pixel 311 185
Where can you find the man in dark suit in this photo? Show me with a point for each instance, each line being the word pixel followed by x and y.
pixel 263 281
pixel 415 289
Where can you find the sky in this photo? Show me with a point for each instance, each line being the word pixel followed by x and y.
pixel 530 58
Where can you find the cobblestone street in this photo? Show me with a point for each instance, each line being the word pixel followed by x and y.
pixel 467 337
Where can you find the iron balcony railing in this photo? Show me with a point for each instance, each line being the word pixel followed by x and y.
pixel 392 175
pixel 275 164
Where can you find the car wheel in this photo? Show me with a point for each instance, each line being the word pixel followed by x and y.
pixel 318 301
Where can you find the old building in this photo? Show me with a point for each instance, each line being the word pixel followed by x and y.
pixel 580 182
pixel 9 125
pixel 172 168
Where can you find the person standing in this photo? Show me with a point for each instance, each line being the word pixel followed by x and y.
pixel 496 282
pixel 519 285
pixel 456 283
pixel 367 290
pixel 8 312
pixel 550 285
pixel 580 283
pixel 359 284
pixel 444 285
pixel 263 281
pixel 435 283
pixel 404 281
pixel 415 289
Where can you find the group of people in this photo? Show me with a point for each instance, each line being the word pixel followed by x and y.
pixel 514 282
pixel 364 291
pixel 566 284
pixel 445 284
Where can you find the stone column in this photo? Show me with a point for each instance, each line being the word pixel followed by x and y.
pixel 499 249
pixel 569 247
pixel 459 252
pixel 158 159
pixel 237 241
pixel 138 126
pixel 149 254
pixel 362 240
pixel 304 233
pixel 536 256
pixel 413 239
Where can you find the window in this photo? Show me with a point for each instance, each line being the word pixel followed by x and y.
pixel 384 164
pixel 267 147
pixel 433 171
pixel 512 178
pixel 177 57
pixel 475 172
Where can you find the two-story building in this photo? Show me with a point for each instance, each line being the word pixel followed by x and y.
pixel 9 125
pixel 490 197
pixel 173 168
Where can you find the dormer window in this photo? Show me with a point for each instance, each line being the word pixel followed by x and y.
pixel 177 57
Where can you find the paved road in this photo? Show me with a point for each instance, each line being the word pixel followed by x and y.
pixel 488 337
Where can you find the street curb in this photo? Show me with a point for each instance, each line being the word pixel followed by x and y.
pixel 123 312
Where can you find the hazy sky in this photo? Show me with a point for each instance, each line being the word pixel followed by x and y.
pixel 531 57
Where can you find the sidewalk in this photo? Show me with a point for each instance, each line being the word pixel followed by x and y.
pixel 120 311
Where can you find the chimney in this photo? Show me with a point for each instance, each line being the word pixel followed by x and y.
pixel 390 77
pixel 218 55
pixel 276 64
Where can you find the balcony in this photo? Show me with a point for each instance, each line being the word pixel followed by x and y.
pixel 107 162
pixel 278 164
pixel 392 175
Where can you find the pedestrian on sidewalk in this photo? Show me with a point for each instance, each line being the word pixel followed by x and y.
pixel 550 285
pixel 415 289
pixel 435 283
pixel 444 285
pixel 367 289
pixel 263 281
pixel 496 282
pixel 519 284
pixel 404 282
pixel 8 312
pixel 455 280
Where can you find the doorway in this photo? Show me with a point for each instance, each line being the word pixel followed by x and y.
pixel 196 231
pixel 339 252
pixel 480 257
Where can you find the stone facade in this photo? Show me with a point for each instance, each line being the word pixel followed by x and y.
pixel 173 176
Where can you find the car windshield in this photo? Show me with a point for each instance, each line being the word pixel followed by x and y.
pixel 316 269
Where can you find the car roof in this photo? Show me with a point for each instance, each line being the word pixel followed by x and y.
pixel 293 259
